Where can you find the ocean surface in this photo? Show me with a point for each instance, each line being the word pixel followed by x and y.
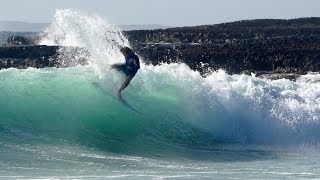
pixel 66 123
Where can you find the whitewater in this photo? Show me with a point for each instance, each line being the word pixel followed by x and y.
pixel 68 123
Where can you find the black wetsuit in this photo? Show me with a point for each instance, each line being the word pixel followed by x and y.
pixel 132 61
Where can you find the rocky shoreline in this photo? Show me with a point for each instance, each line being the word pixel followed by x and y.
pixel 269 48
pixel 40 56
pixel 254 46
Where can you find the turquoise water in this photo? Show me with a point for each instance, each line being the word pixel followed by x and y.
pixel 67 122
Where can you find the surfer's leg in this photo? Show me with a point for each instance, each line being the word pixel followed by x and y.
pixel 124 85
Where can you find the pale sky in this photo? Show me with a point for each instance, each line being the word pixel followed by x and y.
pixel 164 12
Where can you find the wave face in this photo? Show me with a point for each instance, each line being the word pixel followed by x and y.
pixel 179 108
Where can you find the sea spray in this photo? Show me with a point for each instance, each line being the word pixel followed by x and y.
pixel 100 39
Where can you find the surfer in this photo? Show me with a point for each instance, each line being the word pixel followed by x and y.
pixel 129 68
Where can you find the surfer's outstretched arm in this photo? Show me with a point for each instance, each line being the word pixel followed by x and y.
pixel 124 85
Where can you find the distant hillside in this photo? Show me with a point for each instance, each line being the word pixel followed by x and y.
pixel 17 26
pixel 142 27
pixel 233 31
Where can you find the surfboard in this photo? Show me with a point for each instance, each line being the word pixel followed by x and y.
pixel 119 99
pixel 125 103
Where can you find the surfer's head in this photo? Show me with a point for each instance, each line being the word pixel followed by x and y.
pixel 126 51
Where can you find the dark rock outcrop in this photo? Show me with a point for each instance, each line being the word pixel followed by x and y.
pixel 40 56
pixel 273 46
pixel 284 48
pixel 19 40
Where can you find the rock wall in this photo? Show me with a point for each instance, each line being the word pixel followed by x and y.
pixel 40 56
pixel 260 46
pixel 275 46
